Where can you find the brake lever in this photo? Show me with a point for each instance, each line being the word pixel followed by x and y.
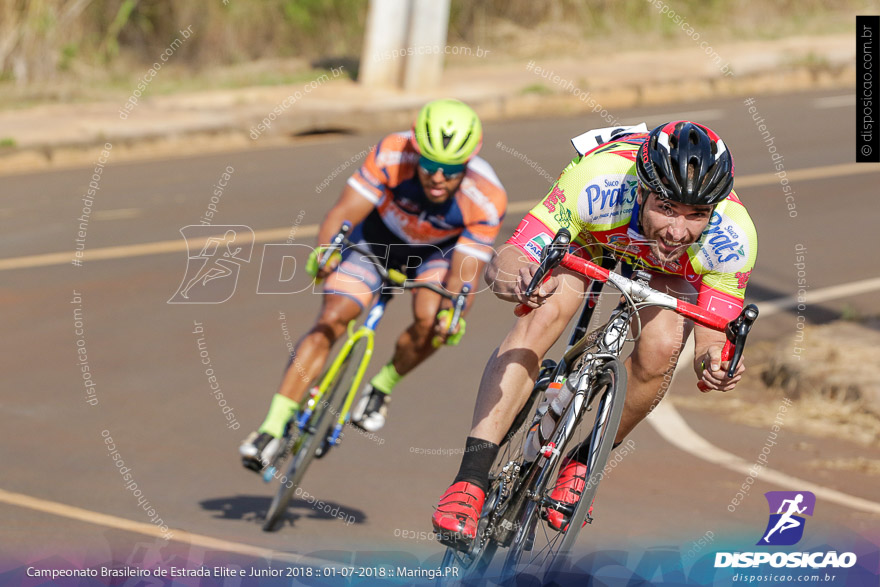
pixel 458 307
pixel 335 244
pixel 551 257
pixel 737 331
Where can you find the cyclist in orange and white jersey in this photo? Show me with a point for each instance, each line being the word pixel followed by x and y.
pixel 424 203
pixel 659 201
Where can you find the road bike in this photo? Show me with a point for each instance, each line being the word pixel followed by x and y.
pixel 312 433
pixel 592 372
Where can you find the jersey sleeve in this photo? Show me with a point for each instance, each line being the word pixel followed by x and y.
pixel 557 210
pixel 727 258
pixel 380 169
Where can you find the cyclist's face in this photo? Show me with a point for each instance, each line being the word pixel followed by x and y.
pixel 438 188
pixel 672 226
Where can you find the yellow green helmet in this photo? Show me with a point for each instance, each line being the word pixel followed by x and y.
pixel 447 131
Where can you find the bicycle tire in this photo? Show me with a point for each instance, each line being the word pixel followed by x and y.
pixel 552 558
pixel 308 443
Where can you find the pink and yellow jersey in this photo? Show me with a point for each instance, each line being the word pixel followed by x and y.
pixel 595 198
pixel 471 218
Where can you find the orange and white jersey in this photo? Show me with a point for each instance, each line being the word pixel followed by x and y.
pixel 389 179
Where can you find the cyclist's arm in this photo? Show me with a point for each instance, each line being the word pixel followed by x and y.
pixel 351 207
pixel 463 268
pixel 722 291
pixel 510 273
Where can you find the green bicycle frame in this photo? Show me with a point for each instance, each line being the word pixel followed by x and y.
pixel 368 332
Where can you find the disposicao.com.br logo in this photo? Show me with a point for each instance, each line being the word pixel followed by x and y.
pixel 785 527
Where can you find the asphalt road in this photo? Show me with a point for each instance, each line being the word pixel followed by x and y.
pixel 153 397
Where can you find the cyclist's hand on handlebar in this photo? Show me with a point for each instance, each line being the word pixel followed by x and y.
pixel 442 334
pixel 537 299
pixel 712 371
pixel 313 267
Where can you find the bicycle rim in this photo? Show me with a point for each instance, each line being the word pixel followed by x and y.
pixel 538 549
pixel 316 430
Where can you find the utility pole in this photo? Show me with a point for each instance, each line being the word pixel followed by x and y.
pixel 427 36
pixel 404 44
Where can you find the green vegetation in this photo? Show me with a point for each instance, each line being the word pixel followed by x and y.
pixel 538 88
pixel 7 142
pixel 74 49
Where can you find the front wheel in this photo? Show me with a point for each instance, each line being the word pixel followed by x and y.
pixel 493 526
pixel 313 435
pixel 537 548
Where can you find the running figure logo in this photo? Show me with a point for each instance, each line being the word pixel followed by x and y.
pixel 212 273
pixel 786 526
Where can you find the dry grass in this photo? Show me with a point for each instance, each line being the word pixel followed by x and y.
pixel 856 464
pixel 832 387
pixel 93 42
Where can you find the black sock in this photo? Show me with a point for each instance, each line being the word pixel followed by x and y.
pixel 478 457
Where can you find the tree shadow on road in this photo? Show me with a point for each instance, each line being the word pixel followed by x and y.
pixel 253 508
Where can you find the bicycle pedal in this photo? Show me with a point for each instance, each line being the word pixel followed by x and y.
pixel 269 473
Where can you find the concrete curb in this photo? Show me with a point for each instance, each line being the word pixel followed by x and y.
pixel 230 129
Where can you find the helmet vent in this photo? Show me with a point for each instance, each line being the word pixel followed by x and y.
pixel 427 133
pixel 465 141
pixel 692 166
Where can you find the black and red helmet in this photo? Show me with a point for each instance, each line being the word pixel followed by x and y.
pixel 663 160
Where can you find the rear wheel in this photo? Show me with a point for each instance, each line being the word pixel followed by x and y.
pixel 536 548
pixel 312 437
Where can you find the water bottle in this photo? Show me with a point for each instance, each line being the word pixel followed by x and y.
pixel 557 396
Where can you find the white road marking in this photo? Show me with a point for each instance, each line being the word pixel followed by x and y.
pixel 279 234
pixel 701 115
pixel 665 419
pixel 117 214
pixel 83 515
pixel 669 424
pixel 842 169
pixel 835 101
pixel 143 249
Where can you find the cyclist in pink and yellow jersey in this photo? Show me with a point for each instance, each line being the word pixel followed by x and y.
pixel 423 202
pixel 659 201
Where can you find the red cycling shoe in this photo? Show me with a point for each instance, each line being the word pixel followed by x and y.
pixel 569 488
pixel 455 520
